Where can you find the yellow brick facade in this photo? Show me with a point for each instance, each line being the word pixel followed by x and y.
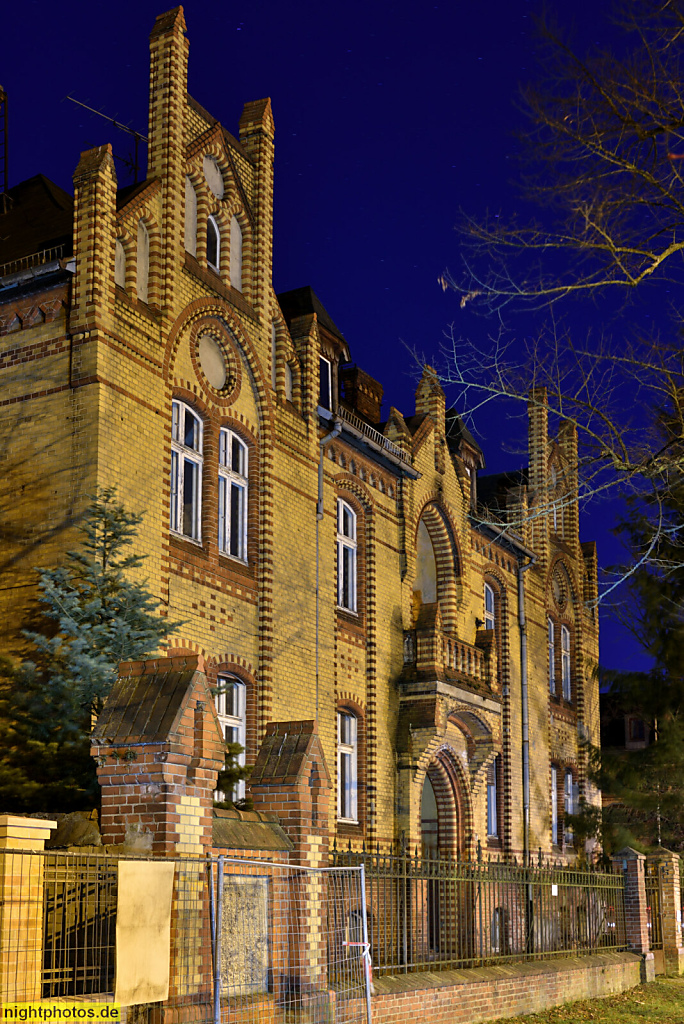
pixel 87 398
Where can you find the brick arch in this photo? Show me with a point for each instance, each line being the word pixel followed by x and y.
pixel 154 271
pixel 209 307
pixel 454 806
pixel 447 558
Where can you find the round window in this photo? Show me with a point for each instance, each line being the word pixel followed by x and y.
pixel 212 362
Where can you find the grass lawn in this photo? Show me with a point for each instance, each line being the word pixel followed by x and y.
pixel 659 1003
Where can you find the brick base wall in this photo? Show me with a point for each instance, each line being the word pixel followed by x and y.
pixel 483 993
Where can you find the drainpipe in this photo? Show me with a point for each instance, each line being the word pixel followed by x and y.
pixel 337 429
pixel 522 623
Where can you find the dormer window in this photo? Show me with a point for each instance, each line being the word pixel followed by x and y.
pixel 213 244
pixel 325 386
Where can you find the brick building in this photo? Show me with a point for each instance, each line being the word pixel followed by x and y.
pixel 142 346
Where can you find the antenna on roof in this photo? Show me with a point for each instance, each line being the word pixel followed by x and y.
pixel 137 136
pixel 4 173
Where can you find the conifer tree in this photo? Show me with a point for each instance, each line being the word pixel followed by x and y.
pixel 95 616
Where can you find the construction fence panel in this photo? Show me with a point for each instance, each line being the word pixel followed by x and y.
pixel 250 941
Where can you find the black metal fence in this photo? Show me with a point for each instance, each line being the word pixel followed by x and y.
pixel 432 913
pixel 653 906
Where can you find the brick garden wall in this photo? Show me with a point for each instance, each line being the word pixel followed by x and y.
pixel 483 993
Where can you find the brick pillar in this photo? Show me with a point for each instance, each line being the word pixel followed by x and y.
pixel 290 778
pixel 159 749
pixel 94 242
pixel 256 135
pixel 21 906
pixel 667 864
pixel 631 865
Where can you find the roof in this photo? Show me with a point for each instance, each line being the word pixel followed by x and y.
pixel 285 753
pixel 40 217
pixel 457 433
pixel 493 488
pixel 303 301
pixel 247 830
pixel 143 708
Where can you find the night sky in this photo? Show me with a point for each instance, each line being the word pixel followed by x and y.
pixel 390 118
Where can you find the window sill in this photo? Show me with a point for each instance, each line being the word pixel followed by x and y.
pixel 347 611
pixel 234 559
pixel 348 821
pixel 188 540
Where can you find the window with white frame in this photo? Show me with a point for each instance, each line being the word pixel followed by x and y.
pixel 235 254
pixel 213 244
pixel 566 675
pixel 347 766
pixel 493 798
pixel 233 492
pixel 489 607
pixel 186 472
pixel 571 802
pixel 325 388
pixel 552 654
pixel 230 701
pixel 346 556
pixel 554 805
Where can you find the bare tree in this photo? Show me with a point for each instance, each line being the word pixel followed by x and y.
pixel 604 165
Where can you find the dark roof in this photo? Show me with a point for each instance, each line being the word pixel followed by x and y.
pixel 143 708
pixel 247 830
pixel 303 301
pixel 493 487
pixel 40 217
pixel 457 432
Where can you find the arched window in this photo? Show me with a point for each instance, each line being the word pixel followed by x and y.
pixel 489 607
pixel 552 654
pixel 346 556
pixel 190 218
pixel 186 472
pixel 425 583
pixel 230 701
pixel 213 244
pixel 143 269
pixel 235 254
pixel 120 264
pixel 566 675
pixel 288 382
pixel 347 766
pixel 233 491
pixel 571 803
pixel 493 798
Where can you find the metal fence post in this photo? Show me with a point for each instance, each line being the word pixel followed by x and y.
pixel 217 956
pixel 368 962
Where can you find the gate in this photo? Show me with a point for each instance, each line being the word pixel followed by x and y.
pixel 654 921
pixel 288 943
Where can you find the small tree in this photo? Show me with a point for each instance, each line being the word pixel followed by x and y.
pixel 95 617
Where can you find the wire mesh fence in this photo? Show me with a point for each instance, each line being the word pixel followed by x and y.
pixel 432 913
pixel 249 940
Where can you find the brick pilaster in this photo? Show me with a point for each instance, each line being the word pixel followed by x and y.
pixel 667 864
pixel 256 135
pixel 94 240
pixel 631 865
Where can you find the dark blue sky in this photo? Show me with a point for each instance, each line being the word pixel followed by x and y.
pixel 390 117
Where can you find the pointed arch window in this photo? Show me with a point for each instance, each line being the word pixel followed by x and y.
pixel 346 556
pixel 186 472
pixel 566 674
pixel 552 654
pixel 235 254
pixel 213 244
pixel 120 264
pixel 233 493
pixel 489 607
pixel 143 268
pixel 190 217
